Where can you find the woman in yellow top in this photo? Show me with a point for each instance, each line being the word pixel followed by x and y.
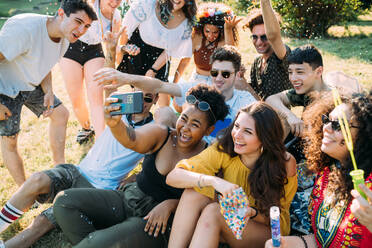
pixel 250 154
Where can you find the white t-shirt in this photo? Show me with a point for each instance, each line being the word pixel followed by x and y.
pixel 142 14
pixel 93 35
pixel 239 99
pixel 108 161
pixel 29 53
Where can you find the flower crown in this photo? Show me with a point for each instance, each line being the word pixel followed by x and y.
pixel 213 11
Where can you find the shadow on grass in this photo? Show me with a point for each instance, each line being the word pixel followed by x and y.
pixel 358 46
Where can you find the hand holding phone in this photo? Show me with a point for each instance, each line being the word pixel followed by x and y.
pixel 130 103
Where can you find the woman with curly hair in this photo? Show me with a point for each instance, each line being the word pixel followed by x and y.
pixel 215 26
pixel 250 153
pixel 340 217
pixel 156 30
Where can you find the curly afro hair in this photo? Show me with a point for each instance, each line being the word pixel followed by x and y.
pixel 340 183
pixel 214 98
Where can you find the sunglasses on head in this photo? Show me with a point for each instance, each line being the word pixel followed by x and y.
pixel 261 37
pixel 147 99
pixel 334 124
pixel 201 105
pixel 225 74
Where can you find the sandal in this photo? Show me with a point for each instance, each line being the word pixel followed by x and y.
pixel 84 135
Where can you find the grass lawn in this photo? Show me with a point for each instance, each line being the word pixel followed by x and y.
pixel 349 50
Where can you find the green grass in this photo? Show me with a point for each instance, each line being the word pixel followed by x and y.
pixel 12 7
pixel 348 50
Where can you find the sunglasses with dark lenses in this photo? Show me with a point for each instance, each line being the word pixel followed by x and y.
pixel 334 124
pixel 225 74
pixel 147 99
pixel 262 37
pixel 201 105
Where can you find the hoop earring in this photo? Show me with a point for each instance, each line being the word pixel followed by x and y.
pixel 261 149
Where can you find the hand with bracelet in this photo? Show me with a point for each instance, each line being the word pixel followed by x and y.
pixel 151 72
pixel 220 185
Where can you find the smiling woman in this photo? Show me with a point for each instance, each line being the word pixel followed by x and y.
pixel 215 27
pixel 251 154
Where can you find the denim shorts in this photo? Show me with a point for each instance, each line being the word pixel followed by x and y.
pixel 63 176
pixel 33 100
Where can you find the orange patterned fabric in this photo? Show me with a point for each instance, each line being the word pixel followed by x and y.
pixel 336 227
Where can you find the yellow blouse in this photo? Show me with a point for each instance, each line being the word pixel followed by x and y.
pixel 210 161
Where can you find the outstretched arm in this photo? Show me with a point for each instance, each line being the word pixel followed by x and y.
pixel 113 79
pixel 272 29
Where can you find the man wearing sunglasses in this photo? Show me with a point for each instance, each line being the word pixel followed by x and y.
pixel 269 72
pixel 104 167
pixel 226 62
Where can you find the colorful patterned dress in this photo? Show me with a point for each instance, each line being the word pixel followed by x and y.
pixel 336 226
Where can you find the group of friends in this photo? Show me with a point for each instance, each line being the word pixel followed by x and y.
pixel 209 135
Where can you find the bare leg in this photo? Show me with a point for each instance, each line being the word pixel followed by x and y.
pixel 187 214
pixel 12 159
pixel 72 73
pixel 57 133
pixel 212 227
pixel 95 94
pixel 31 234
pixel 38 183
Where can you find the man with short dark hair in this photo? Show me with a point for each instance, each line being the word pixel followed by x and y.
pixel 305 72
pixel 30 45
pixel 269 72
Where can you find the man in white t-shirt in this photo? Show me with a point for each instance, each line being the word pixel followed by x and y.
pixel 30 45
pixel 226 63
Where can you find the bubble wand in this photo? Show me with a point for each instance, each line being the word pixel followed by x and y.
pixel 356 174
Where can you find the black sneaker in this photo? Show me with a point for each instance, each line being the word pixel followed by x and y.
pixel 84 135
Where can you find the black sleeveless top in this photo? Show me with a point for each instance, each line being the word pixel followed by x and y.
pixel 143 61
pixel 152 183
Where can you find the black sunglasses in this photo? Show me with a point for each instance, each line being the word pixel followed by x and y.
pixel 201 105
pixel 225 74
pixel 334 124
pixel 262 37
pixel 147 99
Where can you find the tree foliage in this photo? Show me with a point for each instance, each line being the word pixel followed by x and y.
pixel 312 18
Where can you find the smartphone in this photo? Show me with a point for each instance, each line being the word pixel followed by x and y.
pixel 130 103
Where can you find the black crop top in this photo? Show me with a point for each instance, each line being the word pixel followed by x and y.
pixel 152 183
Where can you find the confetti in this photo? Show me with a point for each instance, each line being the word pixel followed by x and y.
pixel 234 210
